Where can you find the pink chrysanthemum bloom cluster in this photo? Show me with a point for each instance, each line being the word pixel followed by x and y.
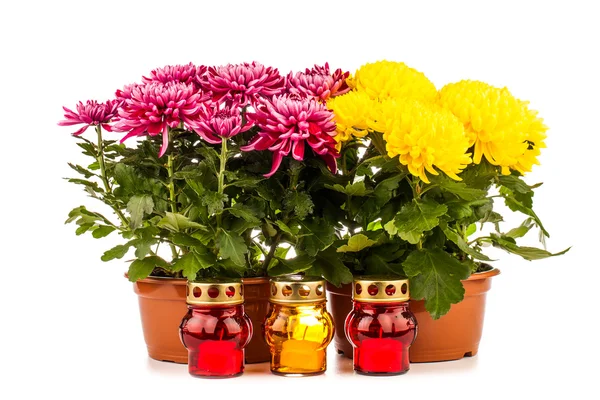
pixel 91 113
pixel 287 123
pixel 244 83
pixel 154 107
pixel 218 120
pixel 189 73
pixel 318 82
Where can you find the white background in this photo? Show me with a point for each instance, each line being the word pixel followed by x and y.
pixel 69 322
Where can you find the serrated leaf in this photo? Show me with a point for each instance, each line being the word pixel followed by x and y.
pixel 528 253
pixel 384 190
pixel 241 211
pixel 459 189
pixel 351 189
pixel 176 222
pixel 285 228
pixel 140 269
pixel 83 171
pixel 319 236
pixel 436 277
pixel 356 243
pixel 214 201
pixel 88 184
pixel 298 203
pixel 454 237
pixel 192 262
pixel 232 247
pixel 138 206
pixel 459 209
pixel 521 230
pixel 417 217
pixel 516 205
pixel 329 265
pixel 376 264
pixel 143 246
pixel 292 266
pixel 116 252
pixel 102 231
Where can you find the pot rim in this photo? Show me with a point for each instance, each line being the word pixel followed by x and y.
pixel 182 281
pixel 484 274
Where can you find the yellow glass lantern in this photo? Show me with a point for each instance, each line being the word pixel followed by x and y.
pixel 298 327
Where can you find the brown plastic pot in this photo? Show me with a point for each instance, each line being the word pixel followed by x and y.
pixel 452 337
pixel 162 306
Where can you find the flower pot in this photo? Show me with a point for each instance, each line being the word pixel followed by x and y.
pixel 340 304
pixel 454 336
pixel 162 306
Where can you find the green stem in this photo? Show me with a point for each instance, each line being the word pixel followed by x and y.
pixel 106 183
pixel 221 176
pixel 378 142
pixel 417 194
pixel 172 198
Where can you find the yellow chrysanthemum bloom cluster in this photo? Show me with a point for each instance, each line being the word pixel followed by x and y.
pixel 501 127
pixel 386 79
pixel 401 103
pixel 424 136
pixel 351 112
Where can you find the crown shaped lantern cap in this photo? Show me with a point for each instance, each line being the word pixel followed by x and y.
pixel 297 289
pixel 214 292
pixel 380 289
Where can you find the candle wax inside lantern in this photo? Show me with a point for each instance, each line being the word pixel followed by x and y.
pixel 301 355
pixel 380 355
pixel 218 357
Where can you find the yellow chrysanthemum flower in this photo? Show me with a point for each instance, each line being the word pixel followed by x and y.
pixel 425 136
pixel 501 127
pixel 351 111
pixel 387 79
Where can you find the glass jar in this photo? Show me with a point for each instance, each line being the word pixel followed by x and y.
pixel 381 326
pixel 215 329
pixel 298 327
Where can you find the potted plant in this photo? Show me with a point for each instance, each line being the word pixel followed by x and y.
pixel 208 184
pixel 419 172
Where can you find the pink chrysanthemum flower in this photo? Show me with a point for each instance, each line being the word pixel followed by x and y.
pixel 219 120
pixel 154 107
pixel 287 123
pixel 318 82
pixel 91 113
pixel 189 73
pixel 243 83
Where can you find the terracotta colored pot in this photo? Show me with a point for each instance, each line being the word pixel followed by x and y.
pixel 340 304
pixel 162 306
pixel 454 336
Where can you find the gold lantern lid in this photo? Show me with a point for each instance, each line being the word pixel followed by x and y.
pixel 297 289
pixel 214 292
pixel 380 289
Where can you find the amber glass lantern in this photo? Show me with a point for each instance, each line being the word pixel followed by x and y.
pixel 381 326
pixel 215 329
pixel 298 327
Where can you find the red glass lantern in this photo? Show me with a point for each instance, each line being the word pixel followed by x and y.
pixel 215 329
pixel 381 326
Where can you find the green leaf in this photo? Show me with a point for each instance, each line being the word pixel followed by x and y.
pixel 177 222
pixel 319 236
pixel 298 203
pixel 471 229
pixel 329 265
pixel 417 217
pixel 143 246
pixel 88 184
pixel 521 230
pixel 182 239
pixel 436 277
pixel 516 205
pixel 460 242
pixel 354 189
pixel 102 231
pixel 292 266
pixel 116 252
pixel 285 228
pixel 194 261
pixel 140 269
pixel 379 262
pixel 459 189
pixel 528 253
pixel 242 211
pixel 138 206
pixel 232 247
pixel 385 189
pixel 356 243
pixel 83 171
pixel 214 201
